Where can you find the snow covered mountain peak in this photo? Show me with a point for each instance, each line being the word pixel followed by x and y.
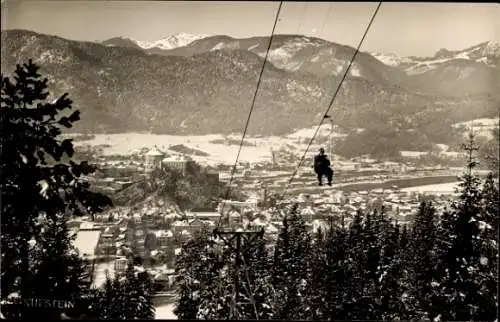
pixel 492 48
pixel 170 42
pixel 487 53
pixel 391 59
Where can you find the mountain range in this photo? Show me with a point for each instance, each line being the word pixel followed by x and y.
pixel 165 43
pixel 317 56
pixel 190 84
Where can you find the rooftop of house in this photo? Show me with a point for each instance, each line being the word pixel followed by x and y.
pixel 154 152
pixel 175 158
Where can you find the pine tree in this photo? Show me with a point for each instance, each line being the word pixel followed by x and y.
pixel 317 292
pixel 187 304
pixel 58 271
pixel 490 207
pixel 137 289
pixel 204 286
pixel 390 285
pixel 37 178
pixel 103 300
pixel 459 268
pixel 487 243
pixel 127 296
pixel 337 277
pixel 256 280
pixel 214 281
pixel 147 309
pixel 259 264
pixel 369 266
pixel 355 268
pixel 423 259
pixel 409 303
pixel 118 304
pixel 291 269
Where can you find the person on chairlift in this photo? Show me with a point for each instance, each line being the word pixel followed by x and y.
pixel 322 167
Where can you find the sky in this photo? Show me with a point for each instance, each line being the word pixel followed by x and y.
pixel 405 29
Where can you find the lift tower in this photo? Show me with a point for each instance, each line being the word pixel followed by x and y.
pixel 239 241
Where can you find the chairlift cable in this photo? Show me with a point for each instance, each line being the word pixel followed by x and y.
pixel 252 105
pixel 325 115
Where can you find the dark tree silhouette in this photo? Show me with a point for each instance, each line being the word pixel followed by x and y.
pixel 37 176
pixel 462 275
pixel 423 258
pixel 127 296
pixel 291 270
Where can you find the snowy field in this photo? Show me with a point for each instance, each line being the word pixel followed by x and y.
pixel 129 143
pixel 482 127
pixel 442 188
pixel 165 311
pixel 491 122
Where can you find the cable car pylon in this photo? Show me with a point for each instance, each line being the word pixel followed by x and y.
pixel 239 242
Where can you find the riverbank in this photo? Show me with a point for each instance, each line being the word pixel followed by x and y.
pixel 400 183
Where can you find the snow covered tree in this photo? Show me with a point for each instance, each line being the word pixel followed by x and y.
pixel 487 243
pixel 37 178
pixel 422 258
pixel 104 303
pixel 367 267
pixel 291 268
pixel 354 268
pixel 462 288
pixel 390 285
pixel 490 207
pixel 202 281
pixel 337 276
pixel 317 292
pixel 137 289
pixel 255 281
pixel 58 271
pixel 185 266
pixel 127 296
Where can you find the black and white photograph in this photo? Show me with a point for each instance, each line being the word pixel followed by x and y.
pixel 249 160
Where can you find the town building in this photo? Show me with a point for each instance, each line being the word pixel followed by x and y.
pixel 226 205
pixel 178 163
pixel 153 159
pixel 121 264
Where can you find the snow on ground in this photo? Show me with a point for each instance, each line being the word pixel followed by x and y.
pixel 165 311
pixel 355 71
pixel 482 127
pixel 391 59
pixel 253 47
pixel 413 154
pixel 443 147
pixel 479 122
pixel 128 143
pixel 170 42
pixel 309 132
pixel 440 188
pixel 86 241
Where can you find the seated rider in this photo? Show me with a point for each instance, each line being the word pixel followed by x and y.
pixel 322 167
